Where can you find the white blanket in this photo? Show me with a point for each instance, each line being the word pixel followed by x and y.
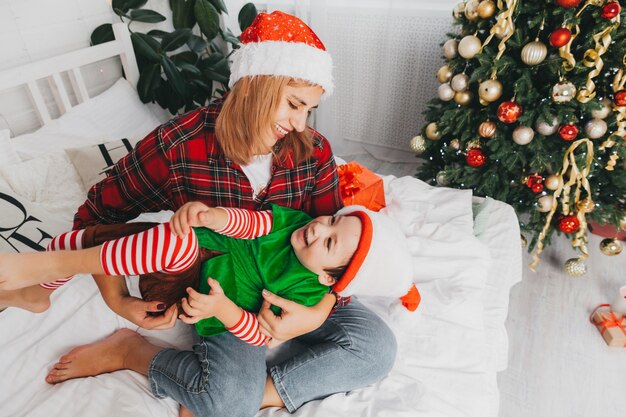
pixel 449 350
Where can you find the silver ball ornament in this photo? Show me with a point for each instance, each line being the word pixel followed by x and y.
pixel 490 90
pixel 544 203
pixel 441 179
pixel 547 128
pixel 575 267
pixel 445 92
pixel 534 53
pixel 604 111
pixel 469 46
pixel 451 48
pixel 596 128
pixel 460 82
pixel 523 135
pixel 418 144
pixel 563 92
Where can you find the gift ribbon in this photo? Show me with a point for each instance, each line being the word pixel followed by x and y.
pixel 608 323
pixel 349 184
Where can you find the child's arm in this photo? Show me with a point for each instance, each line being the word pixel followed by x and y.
pixel 241 323
pixel 233 222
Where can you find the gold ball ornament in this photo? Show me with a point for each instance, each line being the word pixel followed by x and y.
pixel 418 144
pixel 547 128
pixel 463 98
pixel 553 182
pixel 432 131
pixel 596 128
pixel 604 111
pixel 490 90
pixel 585 205
pixel 575 267
pixel 534 53
pixel 471 9
pixel 469 46
pixel 444 74
pixel 451 48
pixel 460 82
pixel 487 129
pixel 544 203
pixel 486 9
pixel 523 135
pixel 455 144
pixel 445 92
pixel 610 247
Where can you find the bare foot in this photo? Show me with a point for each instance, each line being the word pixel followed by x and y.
pixel 106 355
pixel 34 299
pixel 184 412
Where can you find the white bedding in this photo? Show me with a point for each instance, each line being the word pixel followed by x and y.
pixel 449 350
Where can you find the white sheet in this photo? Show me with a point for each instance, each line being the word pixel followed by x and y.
pixel 444 365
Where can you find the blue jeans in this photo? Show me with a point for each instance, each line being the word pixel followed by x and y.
pixel 224 376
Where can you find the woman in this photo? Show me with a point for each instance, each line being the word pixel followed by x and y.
pixel 248 150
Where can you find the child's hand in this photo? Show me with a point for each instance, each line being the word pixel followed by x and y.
pixel 192 214
pixel 202 306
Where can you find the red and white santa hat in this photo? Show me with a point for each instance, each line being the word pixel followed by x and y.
pixel 281 44
pixel 382 264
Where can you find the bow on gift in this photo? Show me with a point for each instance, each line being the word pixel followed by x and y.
pixel 349 185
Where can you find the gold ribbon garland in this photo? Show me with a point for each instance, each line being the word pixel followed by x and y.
pixel 577 178
pixel 619 83
pixel 504 24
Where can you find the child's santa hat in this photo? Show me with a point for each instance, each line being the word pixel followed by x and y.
pixel 281 44
pixel 382 264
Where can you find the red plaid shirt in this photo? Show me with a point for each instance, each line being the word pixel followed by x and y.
pixel 181 161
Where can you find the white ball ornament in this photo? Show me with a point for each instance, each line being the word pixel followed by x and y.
pixel 544 203
pixel 603 113
pixel 547 128
pixel 451 48
pixel 596 128
pixel 563 92
pixel 523 135
pixel 445 92
pixel 460 82
pixel 469 46
pixel 534 53
pixel 490 90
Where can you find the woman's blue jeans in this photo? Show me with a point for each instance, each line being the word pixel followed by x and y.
pixel 224 376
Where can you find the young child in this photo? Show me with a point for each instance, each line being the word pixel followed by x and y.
pixel 281 250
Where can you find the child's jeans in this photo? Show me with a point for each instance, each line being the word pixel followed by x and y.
pixel 224 376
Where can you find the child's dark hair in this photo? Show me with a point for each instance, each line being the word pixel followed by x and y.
pixel 337 272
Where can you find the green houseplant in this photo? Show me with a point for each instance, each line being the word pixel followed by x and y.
pixel 185 68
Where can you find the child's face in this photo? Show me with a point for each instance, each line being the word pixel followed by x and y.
pixel 326 242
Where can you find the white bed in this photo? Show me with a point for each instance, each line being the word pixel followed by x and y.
pixel 450 350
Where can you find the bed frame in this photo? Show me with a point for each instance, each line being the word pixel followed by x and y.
pixel 71 63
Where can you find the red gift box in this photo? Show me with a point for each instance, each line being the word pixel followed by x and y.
pixel 606 230
pixel 359 185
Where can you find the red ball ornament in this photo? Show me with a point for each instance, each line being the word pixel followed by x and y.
pixel 567 4
pixel 476 158
pixel 569 224
pixel 509 112
pixel 610 10
pixel 568 132
pixel 620 98
pixel 537 188
pixel 560 37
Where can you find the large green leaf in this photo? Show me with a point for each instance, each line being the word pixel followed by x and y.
pixel 229 37
pixel 189 57
pixel 183 14
pixel 173 76
pixel 146 16
pixel 246 15
pixel 125 5
pixel 208 18
pixel 157 33
pixel 102 34
pixel 189 69
pixel 175 39
pixel 146 46
pixel 197 44
pixel 219 5
pixel 148 82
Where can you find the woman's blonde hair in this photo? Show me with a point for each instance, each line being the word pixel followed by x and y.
pixel 248 114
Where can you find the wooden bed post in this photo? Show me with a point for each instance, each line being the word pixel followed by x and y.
pixel 128 55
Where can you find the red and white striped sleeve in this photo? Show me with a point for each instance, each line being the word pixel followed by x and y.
pixel 247 329
pixel 246 224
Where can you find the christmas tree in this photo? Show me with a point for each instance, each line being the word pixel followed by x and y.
pixel 531 110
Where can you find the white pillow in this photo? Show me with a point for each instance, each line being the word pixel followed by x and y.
pixel 50 181
pixel 24 226
pixel 116 113
pixel 8 155
pixel 93 162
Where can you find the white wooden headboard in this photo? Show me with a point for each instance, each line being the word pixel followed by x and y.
pixel 52 68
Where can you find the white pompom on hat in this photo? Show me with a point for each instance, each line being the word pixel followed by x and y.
pixel 281 44
pixel 382 264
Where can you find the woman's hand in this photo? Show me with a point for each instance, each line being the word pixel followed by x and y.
pixel 294 320
pixel 192 214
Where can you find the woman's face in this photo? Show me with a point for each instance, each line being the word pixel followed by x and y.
pixel 295 105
